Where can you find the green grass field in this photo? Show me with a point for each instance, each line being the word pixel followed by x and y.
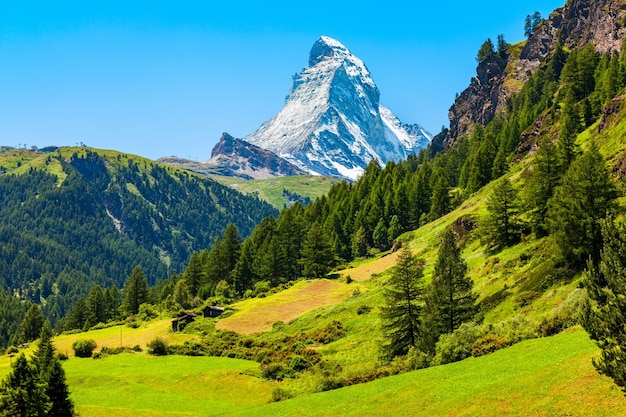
pixel 542 377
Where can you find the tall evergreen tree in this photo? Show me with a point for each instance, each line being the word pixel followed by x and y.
pixel 317 254
pixel 604 315
pixel 135 290
pixel 23 394
pixel 440 202
pixel 486 50
pixel 52 375
pixel 501 228
pixel 401 313
pixel 450 299
pixel 32 323
pixel 586 195
pixel 543 177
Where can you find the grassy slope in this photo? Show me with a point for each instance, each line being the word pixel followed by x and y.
pixel 550 376
pixel 259 314
pixel 271 190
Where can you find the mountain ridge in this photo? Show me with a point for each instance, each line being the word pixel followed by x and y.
pixel 332 122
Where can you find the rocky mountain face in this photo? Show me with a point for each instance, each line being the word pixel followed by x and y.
pixel 599 22
pixel 332 122
pixel 237 158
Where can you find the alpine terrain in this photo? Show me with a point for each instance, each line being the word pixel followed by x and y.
pixel 332 122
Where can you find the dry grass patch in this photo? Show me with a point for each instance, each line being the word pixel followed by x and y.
pixel 365 271
pixel 259 314
pixel 124 336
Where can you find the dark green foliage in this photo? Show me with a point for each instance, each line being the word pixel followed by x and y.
pixel 541 180
pixel 157 347
pixel 501 228
pixel 531 23
pixel 31 325
pixel 83 348
pixel 401 313
pixel 604 315
pixel 135 290
pixel 37 388
pixel 449 299
pixel 586 195
pixel 486 50
pixel 317 254
pixel 23 393
pixel 440 201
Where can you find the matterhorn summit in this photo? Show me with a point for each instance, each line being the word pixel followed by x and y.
pixel 332 122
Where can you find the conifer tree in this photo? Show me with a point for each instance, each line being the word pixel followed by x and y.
pixel 440 202
pixel 32 323
pixel 380 235
pixel 194 275
pixel 539 187
pixel 486 50
pixel 135 290
pixel 604 315
pixel 23 394
pixel 450 299
pixel 52 375
pixel 317 254
pixel 570 126
pixel 586 195
pixel 502 227
pixel 231 247
pixel 401 313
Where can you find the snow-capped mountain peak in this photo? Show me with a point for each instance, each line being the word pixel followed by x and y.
pixel 332 122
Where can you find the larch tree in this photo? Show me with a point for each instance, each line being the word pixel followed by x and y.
pixel 502 226
pixel 317 253
pixel 135 290
pixel 401 313
pixel 450 299
pixel 604 314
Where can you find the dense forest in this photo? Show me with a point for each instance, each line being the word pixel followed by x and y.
pixel 97 217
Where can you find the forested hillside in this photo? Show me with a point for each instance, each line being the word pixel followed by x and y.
pixel 70 219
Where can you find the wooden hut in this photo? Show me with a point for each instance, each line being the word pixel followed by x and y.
pixel 183 320
pixel 212 311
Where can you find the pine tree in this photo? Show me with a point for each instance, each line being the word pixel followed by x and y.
pixel 539 187
pixel 502 227
pixel 359 243
pixel 52 375
pixel 380 235
pixel 450 299
pixel 440 202
pixel 570 126
pixel 23 394
pixel 317 254
pixel 194 274
pixel 604 315
pixel 231 243
pixel 486 50
pixel 395 229
pixel 32 323
pixel 586 195
pixel 135 290
pixel 401 313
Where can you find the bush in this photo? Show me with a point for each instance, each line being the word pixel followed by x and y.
pixel 280 394
pixel 456 346
pixel 329 333
pixel 416 359
pixel 83 348
pixel 62 356
pixel 363 310
pixel 298 363
pixel 157 347
pixel 273 370
pixel 488 343
pixel 147 312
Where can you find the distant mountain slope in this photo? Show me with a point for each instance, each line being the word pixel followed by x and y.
pixel 332 122
pixel 75 217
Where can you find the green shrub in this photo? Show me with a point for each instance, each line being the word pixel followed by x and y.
pixel 416 359
pixel 83 348
pixel 329 333
pixel 274 370
pixel 157 347
pixel 62 356
pixel 488 343
pixel 280 394
pixel 147 312
pixel 298 363
pixel 456 346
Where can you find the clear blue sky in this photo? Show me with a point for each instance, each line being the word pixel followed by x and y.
pixel 158 78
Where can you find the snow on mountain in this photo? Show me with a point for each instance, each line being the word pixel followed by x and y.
pixel 332 122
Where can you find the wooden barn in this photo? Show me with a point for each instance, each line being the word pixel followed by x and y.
pixel 183 320
pixel 212 311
